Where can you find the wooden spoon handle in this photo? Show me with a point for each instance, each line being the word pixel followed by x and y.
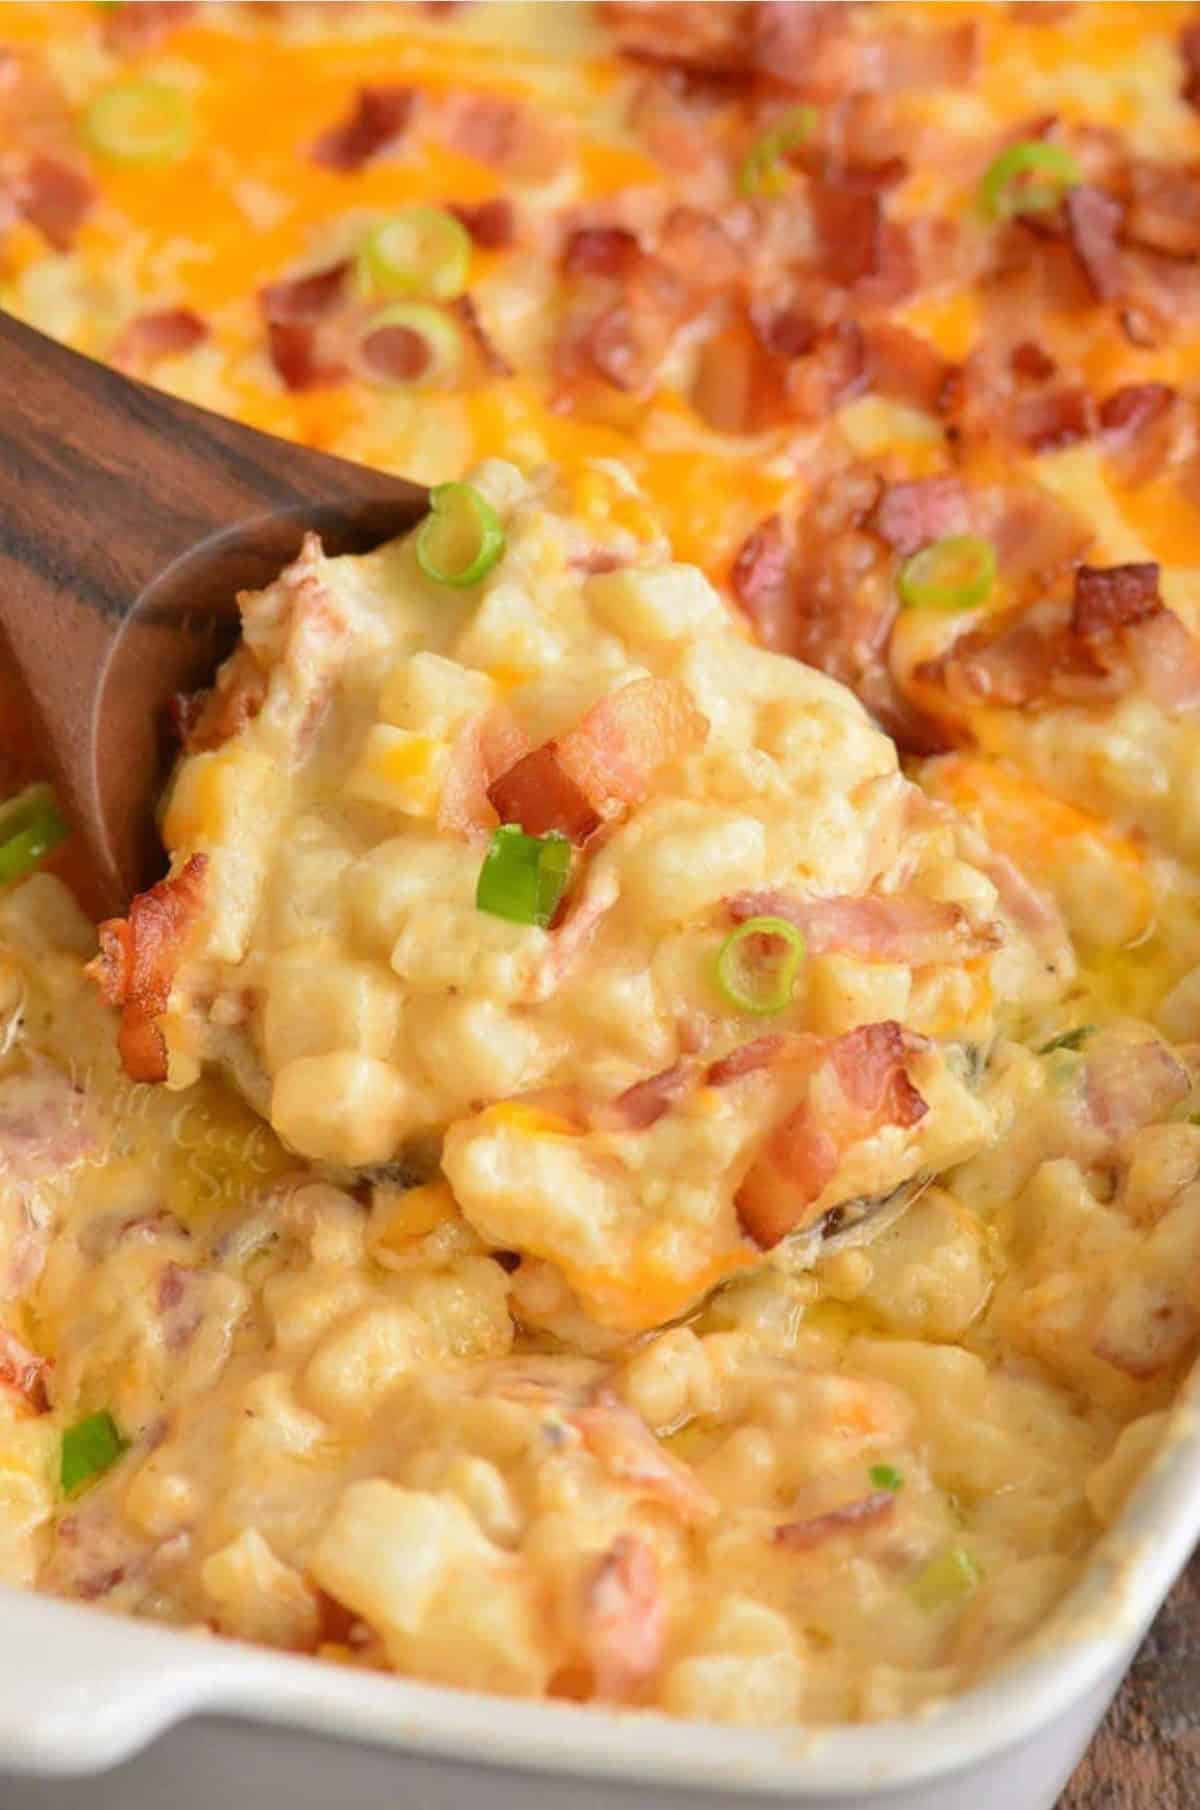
pixel 124 509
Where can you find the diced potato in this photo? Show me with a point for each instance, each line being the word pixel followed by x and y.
pixel 400 770
pixel 433 695
pixel 340 1108
pixel 663 603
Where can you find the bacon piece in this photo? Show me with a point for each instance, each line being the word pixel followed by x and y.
pixel 138 959
pixel 1148 430
pixel 1093 223
pixel 1189 55
pixel 23 1371
pixel 491 224
pixel 903 60
pixel 159 333
pixel 697 248
pixel 208 719
pixel 296 310
pixel 622 742
pixel 643 1104
pixel 905 367
pixel 395 354
pixel 625 1448
pixel 1112 597
pixel 874 927
pixel 760 577
pixel 911 514
pixel 859 1085
pixel 485 748
pixel 1164 209
pixel 505 134
pixel 623 1619
pixel 1031 362
pixel 1134 407
pixel 55 194
pixel 539 795
pixel 601 251
pixel 145 26
pixel 691 34
pixel 379 117
pixel 1053 418
pixel 1130 1082
pixel 749 1058
pixel 868 1511
pixel 857 246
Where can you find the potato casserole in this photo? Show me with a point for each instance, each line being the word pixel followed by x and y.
pixel 646 1149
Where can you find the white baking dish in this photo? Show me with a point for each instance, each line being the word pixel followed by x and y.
pixel 202 1724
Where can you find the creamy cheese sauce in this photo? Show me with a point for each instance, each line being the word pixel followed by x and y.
pixel 502 1304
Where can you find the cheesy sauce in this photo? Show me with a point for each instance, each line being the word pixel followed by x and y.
pixel 525 1300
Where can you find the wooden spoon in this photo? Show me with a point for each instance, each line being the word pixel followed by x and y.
pixel 128 523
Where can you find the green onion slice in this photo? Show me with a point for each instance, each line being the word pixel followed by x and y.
pixel 140 122
pixel 523 878
pixel 1068 1040
pixel 764 167
pixel 886 1476
pixel 1027 178
pixel 31 824
pixel 420 251
pixel 461 538
pixel 945 1580
pixel 759 986
pixel 414 345
pixel 955 573
pixel 89 1448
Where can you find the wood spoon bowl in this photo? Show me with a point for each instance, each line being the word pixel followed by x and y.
pixel 129 521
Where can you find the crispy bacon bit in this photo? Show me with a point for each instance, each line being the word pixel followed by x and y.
pixel 1112 597
pixel 1031 362
pixel 859 1085
pixel 1093 222
pixel 306 298
pixel 625 1448
pixel 129 29
pixel 905 367
pixel 492 224
pixel 692 34
pixel 874 927
pixel 1164 211
pixel 624 1619
pixel 55 194
pixel 897 62
pixel 23 1371
pixel 601 251
pixel 159 333
pixel 394 353
pixel 138 958
pixel 909 515
pixel 643 1104
pixel 868 1511
pixel 849 225
pixel 489 745
pixel 1053 418
pixel 208 719
pixel 1131 1082
pixel 1129 411
pixel 760 577
pixel 622 742
pixel 380 116
pixel 295 310
pixel 748 1059
pixel 539 795
pixel 698 249
pixel 1189 53
pixel 505 134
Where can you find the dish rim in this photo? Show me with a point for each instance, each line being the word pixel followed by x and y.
pixel 81 1690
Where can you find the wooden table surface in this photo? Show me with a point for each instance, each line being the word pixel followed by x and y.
pixel 1147 1755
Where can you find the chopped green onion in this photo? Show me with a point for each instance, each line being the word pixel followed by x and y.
pixel 955 573
pixel 886 1476
pixel 461 538
pixel 1068 1040
pixel 31 824
pixel 766 989
pixel 1005 190
pixel 89 1448
pixel 421 251
pixel 764 167
pixel 523 877
pixel 413 345
pixel 945 1580
pixel 140 122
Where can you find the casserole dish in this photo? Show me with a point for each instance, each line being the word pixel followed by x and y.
pixel 168 1717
